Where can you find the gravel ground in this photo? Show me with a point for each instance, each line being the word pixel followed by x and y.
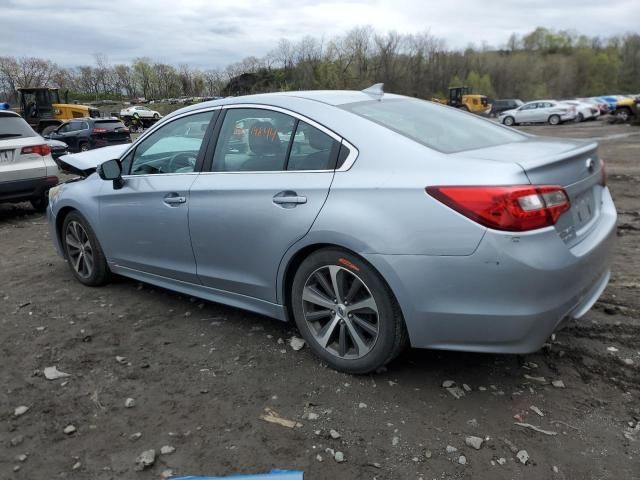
pixel 201 375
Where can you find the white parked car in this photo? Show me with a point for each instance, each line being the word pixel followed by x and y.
pixel 586 111
pixel 27 169
pixel 140 111
pixel 539 111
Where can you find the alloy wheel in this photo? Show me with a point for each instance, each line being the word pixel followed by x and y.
pixel 79 249
pixel 340 312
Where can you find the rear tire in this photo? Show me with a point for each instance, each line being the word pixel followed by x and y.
pixel 509 121
pixel 361 328
pixel 83 252
pixel 580 117
pixel 554 120
pixel 623 113
pixel 83 147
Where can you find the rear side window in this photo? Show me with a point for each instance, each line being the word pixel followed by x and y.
pixel 253 140
pixel 109 124
pixel 435 126
pixel 257 140
pixel 12 126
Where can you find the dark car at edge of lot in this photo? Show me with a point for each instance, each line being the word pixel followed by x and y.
pixel 502 105
pixel 82 134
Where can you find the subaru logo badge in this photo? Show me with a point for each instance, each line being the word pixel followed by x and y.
pixel 590 164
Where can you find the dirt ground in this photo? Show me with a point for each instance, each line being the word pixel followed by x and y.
pixel 202 374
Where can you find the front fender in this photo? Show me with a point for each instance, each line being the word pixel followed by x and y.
pixel 76 194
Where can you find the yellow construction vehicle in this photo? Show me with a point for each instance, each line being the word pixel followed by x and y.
pixel 463 98
pixel 41 108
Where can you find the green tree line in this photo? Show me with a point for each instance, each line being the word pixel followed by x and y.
pixel 541 64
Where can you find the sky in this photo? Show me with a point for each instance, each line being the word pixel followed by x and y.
pixel 215 33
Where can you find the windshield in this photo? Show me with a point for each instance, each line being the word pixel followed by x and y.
pixel 435 126
pixel 12 126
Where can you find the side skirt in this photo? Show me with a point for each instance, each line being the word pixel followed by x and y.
pixel 207 293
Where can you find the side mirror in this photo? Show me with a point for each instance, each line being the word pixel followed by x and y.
pixel 111 170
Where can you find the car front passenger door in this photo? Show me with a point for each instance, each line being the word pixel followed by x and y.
pixel 147 220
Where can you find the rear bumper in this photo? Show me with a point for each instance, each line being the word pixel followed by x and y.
pixel 509 295
pixel 22 190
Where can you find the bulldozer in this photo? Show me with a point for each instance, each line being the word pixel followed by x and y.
pixel 42 109
pixel 464 99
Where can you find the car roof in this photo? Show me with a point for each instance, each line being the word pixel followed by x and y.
pixel 333 98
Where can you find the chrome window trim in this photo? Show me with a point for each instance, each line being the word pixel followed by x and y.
pixel 348 163
pixel 158 125
pixel 313 123
pixel 351 158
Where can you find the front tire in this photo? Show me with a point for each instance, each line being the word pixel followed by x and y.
pixel 83 252
pixel 580 117
pixel 346 312
pixel 83 147
pixel 509 121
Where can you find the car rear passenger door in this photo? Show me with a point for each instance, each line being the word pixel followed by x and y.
pixel 145 224
pixel 270 176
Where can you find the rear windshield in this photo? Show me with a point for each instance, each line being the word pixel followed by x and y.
pixel 15 127
pixel 444 129
pixel 109 124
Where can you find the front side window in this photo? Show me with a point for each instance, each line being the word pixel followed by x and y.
pixel 173 148
pixel 435 126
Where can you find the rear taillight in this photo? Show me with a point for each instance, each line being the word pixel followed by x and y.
pixel 510 208
pixel 124 130
pixel 43 150
pixel 603 174
pixel 99 130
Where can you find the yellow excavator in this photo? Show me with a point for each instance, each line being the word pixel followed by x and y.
pixel 464 99
pixel 41 108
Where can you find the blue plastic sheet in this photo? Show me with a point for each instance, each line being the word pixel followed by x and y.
pixel 272 475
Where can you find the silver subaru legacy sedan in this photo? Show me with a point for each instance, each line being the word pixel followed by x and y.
pixel 373 221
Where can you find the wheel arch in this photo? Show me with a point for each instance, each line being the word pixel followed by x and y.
pixel 295 259
pixel 60 216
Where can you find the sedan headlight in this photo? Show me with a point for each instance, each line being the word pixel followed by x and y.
pixel 54 192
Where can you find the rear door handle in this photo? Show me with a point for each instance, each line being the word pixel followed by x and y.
pixel 174 199
pixel 289 198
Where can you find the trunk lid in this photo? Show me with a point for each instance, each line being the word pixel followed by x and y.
pixel 572 164
pixel 110 131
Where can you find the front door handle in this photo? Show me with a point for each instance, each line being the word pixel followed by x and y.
pixel 174 199
pixel 289 199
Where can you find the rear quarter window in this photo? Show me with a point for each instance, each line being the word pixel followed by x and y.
pixel 441 128
pixel 109 124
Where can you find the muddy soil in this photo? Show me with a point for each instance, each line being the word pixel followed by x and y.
pixel 202 374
